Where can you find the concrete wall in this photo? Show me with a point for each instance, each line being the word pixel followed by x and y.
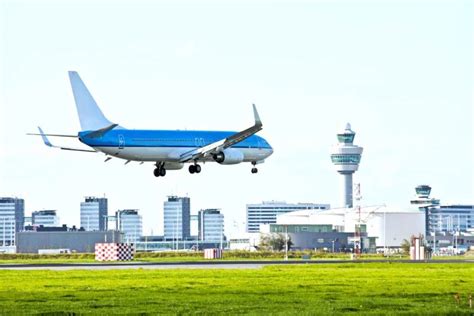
pixel 79 241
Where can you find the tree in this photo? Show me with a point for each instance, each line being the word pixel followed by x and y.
pixel 405 246
pixel 274 242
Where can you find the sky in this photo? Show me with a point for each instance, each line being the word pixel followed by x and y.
pixel 401 72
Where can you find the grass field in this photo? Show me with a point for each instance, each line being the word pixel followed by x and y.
pixel 172 256
pixel 365 288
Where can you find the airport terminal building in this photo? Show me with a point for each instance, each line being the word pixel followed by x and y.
pixel 380 227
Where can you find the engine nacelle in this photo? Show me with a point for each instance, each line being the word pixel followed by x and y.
pixel 229 156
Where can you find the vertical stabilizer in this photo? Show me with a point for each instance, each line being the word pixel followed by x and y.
pixel 90 115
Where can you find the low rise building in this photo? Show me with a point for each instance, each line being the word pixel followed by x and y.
pixel 75 241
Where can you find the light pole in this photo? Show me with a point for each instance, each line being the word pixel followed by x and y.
pixel 222 230
pixel 286 242
pixel 385 231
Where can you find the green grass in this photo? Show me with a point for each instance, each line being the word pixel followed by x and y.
pixel 198 256
pixel 362 288
pixel 180 256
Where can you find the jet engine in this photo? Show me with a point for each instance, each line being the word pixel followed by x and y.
pixel 228 156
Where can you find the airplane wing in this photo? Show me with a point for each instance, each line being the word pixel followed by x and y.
pixel 48 143
pixel 222 144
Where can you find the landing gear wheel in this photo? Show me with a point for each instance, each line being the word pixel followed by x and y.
pixel 156 172
pixel 162 172
pixel 254 170
pixel 192 169
pixel 197 168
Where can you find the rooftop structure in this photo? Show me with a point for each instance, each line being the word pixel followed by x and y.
pixel 45 218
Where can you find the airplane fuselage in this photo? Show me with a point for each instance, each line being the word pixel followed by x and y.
pixel 168 149
pixel 169 145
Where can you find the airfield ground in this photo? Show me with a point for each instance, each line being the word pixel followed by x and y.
pixel 364 288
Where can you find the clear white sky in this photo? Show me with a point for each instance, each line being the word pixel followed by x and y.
pixel 400 71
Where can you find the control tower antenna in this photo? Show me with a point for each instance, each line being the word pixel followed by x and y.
pixel 346 158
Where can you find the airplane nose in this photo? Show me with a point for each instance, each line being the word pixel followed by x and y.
pixel 270 151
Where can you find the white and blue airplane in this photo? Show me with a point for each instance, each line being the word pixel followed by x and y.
pixel 168 149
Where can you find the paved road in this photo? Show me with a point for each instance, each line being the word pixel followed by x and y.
pixel 198 265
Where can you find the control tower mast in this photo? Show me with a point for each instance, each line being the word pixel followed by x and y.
pixel 346 158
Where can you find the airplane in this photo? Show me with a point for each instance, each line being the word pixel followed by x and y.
pixel 168 149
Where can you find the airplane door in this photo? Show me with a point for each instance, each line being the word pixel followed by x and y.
pixel 121 141
pixel 199 142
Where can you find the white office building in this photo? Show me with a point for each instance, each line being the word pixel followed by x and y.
pixel 94 214
pixel 177 218
pixel 267 212
pixel 129 222
pixel 45 218
pixel 12 217
pixel 211 225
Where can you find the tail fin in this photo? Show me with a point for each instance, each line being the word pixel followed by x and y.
pixel 90 115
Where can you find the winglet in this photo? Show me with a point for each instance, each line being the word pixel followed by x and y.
pixel 257 117
pixel 45 139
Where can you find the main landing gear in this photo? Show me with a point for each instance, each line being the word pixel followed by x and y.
pixel 254 169
pixel 194 168
pixel 160 170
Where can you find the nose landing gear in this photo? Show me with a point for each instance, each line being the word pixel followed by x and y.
pixel 254 169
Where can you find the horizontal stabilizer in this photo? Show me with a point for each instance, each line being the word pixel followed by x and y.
pixel 49 144
pixel 52 135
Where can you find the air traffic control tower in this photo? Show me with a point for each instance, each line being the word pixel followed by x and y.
pixel 346 158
